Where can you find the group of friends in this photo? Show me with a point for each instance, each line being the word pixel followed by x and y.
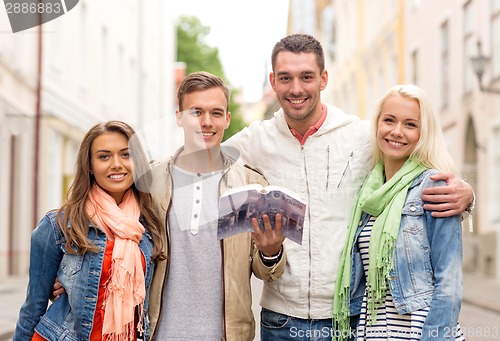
pixel 133 253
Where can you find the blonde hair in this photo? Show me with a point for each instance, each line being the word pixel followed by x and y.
pixel 431 149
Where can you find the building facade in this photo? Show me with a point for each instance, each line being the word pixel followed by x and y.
pixel 373 45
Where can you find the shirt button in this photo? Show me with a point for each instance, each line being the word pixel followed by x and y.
pixel 413 208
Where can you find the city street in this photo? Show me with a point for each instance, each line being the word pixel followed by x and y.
pixel 479 321
pixel 479 324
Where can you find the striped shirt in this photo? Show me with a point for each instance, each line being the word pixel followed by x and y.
pixel 389 325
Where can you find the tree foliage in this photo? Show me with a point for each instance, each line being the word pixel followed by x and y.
pixel 193 50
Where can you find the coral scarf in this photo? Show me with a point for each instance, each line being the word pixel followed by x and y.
pixel 384 200
pixel 126 288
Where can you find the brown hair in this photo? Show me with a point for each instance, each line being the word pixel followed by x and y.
pixel 72 217
pixel 300 43
pixel 198 81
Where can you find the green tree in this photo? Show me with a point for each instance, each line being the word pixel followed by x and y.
pixel 193 50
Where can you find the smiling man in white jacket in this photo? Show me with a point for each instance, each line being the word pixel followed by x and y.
pixel 324 155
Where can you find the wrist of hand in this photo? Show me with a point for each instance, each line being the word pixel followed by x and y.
pixel 470 207
pixel 271 259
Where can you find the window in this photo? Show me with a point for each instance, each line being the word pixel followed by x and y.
pixel 414 67
pixel 372 97
pixel 495 6
pixel 133 89
pixel 496 174
pixel 394 74
pixel 470 47
pixel 369 23
pixel 353 95
pixel 55 179
pixel 120 91
pixel 83 69
pixel 381 83
pixel 56 49
pixel 495 37
pixel 445 65
pixel 13 199
pixel 104 67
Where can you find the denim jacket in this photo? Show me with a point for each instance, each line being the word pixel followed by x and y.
pixel 71 316
pixel 427 268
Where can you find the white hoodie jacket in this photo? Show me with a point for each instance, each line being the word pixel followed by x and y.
pixel 326 172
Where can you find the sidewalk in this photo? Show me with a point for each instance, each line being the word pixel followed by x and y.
pixel 12 295
pixel 479 291
pixel 482 292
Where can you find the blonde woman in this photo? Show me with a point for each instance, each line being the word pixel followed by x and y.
pixel 401 269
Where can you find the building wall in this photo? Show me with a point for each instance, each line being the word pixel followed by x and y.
pixel 317 19
pixel 368 53
pixel 101 61
pixel 17 108
pixel 377 44
pixel 469 118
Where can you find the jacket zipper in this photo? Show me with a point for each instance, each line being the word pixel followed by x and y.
pixel 347 167
pixel 304 172
pixel 224 177
pixel 327 166
pixel 224 337
pixel 223 292
pixel 167 241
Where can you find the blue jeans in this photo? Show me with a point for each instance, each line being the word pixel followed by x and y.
pixel 275 326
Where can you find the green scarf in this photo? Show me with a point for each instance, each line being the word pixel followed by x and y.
pixel 384 201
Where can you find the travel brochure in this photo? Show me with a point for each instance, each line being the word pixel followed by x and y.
pixel 238 205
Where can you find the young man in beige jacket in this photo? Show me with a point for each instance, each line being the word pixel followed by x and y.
pixel 202 290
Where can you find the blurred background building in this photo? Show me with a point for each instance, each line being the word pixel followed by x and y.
pixel 102 60
pixel 450 48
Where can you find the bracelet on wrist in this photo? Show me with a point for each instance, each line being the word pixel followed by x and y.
pixel 272 258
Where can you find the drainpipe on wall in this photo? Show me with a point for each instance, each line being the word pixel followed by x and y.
pixel 38 114
pixel 140 74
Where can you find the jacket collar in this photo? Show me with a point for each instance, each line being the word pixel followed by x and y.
pixel 229 156
pixel 335 118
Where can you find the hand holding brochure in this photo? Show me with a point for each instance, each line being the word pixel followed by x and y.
pixel 238 205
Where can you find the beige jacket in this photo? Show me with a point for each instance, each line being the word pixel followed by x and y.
pixel 240 257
